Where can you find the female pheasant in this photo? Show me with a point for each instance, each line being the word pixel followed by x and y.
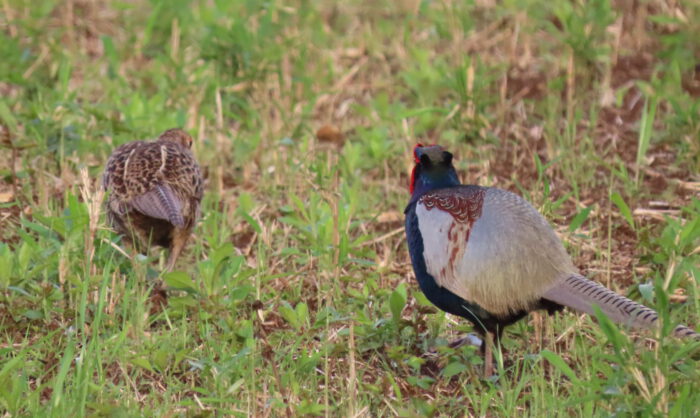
pixel 488 256
pixel 155 190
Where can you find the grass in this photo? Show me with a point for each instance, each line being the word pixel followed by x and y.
pixel 296 295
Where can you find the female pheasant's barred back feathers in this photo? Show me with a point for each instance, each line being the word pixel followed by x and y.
pixel 159 178
pixel 155 189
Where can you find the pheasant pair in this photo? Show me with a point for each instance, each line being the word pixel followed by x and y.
pixel 488 256
pixel 480 253
pixel 155 191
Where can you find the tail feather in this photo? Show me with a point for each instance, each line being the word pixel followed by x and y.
pixel 160 203
pixel 582 294
pixel 681 331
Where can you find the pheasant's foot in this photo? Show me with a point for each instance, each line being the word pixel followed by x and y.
pixel 471 339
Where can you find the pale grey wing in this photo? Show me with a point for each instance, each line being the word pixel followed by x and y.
pixel 503 262
pixel 581 294
pixel 160 203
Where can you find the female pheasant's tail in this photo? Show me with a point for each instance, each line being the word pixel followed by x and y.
pixel 582 294
pixel 160 203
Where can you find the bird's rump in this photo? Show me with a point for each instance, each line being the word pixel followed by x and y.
pixel 160 203
pixel 155 192
pixel 158 179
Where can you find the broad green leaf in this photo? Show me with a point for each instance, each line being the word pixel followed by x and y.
pixel 289 315
pixel 221 253
pixel 302 313
pixel 580 218
pixel 560 364
pixel 7 116
pixel 142 362
pixel 617 199
pixel 179 280
pixel 253 223
pixel 245 329
pixel 453 369
pixel 397 301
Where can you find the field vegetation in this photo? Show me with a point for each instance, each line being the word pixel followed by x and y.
pixel 296 295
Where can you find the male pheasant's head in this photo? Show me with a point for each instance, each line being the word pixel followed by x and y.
pixel 433 169
pixel 178 136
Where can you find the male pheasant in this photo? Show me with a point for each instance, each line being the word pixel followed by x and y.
pixel 155 191
pixel 488 256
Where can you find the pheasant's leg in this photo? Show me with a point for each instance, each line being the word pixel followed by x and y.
pixel 471 339
pixel 538 321
pixel 180 236
pixel 488 355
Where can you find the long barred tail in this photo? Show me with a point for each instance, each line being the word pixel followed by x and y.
pixel 681 331
pixel 582 294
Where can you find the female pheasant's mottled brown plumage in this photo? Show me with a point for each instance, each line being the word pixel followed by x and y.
pixel 155 189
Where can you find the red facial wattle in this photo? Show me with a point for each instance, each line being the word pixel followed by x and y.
pixel 412 184
pixel 416 159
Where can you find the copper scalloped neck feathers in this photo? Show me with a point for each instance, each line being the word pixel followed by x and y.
pixel 463 204
pixel 155 191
